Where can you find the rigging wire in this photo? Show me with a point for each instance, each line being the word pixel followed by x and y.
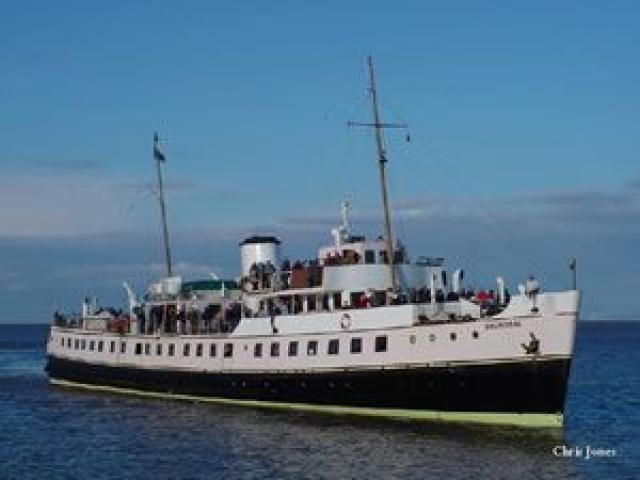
pixel 491 226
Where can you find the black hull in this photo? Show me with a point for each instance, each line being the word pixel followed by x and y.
pixel 522 387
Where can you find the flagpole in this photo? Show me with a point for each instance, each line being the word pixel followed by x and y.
pixel 159 157
pixel 574 275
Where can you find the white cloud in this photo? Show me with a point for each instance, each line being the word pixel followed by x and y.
pixel 59 205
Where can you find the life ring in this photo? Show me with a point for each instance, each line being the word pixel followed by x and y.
pixel 345 321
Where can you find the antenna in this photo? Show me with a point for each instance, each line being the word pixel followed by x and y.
pixel 378 126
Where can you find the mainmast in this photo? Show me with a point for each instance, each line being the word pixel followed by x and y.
pixel 159 158
pixel 378 125
pixel 382 160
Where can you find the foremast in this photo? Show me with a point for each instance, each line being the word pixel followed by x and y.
pixel 160 158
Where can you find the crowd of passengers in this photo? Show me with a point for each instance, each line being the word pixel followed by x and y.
pixel 487 300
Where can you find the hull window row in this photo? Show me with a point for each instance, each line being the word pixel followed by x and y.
pixel 333 347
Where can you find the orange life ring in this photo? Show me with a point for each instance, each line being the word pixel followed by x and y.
pixel 345 321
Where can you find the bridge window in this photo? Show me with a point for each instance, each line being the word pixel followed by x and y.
pixel 69 342
pixel 83 344
pixel 228 350
pixel 381 343
pixel 257 350
pixel 172 349
pixel 356 345
pixel 369 256
pixel 453 336
pixel 333 347
pixel 76 344
pixel 100 345
pixel 275 349
pixel 138 349
pixel 123 347
pixel 112 346
pixel 475 334
pixel 186 349
pixel 62 341
pixel 212 350
pixel 159 349
pixel 147 349
pixel 199 350
pixel 92 345
pixel 312 348
pixel 293 349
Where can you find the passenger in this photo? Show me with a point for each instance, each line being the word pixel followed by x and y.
pixel 532 287
pixel 286 265
pixel 363 301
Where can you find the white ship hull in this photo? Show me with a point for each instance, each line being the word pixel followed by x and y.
pixel 466 370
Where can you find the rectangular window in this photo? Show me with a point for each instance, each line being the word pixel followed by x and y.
pixel 333 347
pixel 275 349
pixel 123 347
pixel 172 349
pixel 68 342
pixel 100 345
pixel 356 345
pixel 381 344
pixel 228 350
pixel 369 256
pixel 83 344
pixel 312 348
pixel 293 349
pixel 257 350
pixel 212 350
pixel 92 345
pixel 138 349
pixel 112 347
pixel 147 349
pixel 159 349
pixel 337 300
pixel 186 349
pixel 62 342
pixel 199 350
pixel 76 344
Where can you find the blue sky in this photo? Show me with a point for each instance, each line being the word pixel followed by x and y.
pixel 524 121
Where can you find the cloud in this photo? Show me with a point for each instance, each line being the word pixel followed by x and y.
pixel 633 184
pixel 58 205
pixel 172 185
pixel 127 270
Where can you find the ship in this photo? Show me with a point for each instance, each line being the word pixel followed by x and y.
pixel 359 329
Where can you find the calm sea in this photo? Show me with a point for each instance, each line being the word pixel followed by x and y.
pixel 48 432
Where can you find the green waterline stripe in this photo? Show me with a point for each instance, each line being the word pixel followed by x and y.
pixel 529 420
